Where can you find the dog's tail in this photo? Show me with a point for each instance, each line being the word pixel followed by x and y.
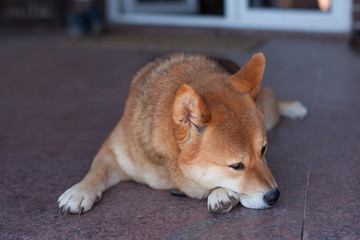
pixel 292 109
pixel 273 108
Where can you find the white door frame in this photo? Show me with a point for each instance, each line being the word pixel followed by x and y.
pixel 239 15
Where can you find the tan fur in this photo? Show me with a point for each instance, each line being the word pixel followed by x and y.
pixel 186 120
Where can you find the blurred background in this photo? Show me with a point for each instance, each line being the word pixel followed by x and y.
pixel 93 18
pixel 180 25
pixel 80 17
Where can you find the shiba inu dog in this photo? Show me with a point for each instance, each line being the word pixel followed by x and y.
pixel 196 124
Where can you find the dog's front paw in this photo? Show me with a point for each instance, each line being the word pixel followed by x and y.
pixel 78 199
pixel 222 200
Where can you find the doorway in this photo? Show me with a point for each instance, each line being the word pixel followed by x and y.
pixel 292 15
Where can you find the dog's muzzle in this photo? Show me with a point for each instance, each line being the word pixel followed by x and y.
pixel 272 196
pixel 260 201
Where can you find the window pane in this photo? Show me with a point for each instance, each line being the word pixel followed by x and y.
pixel 322 5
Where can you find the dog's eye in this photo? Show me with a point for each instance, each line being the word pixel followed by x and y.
pixel 237 166
pixel 263 150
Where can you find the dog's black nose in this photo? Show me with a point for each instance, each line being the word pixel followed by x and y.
pixel 272 196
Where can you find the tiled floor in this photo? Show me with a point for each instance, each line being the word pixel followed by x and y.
pixel 58 104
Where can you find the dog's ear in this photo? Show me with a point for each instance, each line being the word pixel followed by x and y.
pixel 248 79
pixel 190 114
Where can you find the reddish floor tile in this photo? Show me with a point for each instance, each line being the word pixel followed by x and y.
pixel 59 104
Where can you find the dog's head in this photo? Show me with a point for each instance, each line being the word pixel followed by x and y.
pixel 222 139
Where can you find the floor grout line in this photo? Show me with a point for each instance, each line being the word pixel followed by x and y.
pixel 305 201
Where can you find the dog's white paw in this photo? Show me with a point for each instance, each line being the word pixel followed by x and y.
pixel 78 199
pixel 222 200
pixel 292 110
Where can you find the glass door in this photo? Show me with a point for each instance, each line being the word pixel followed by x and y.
pixel 292 15
pixel 314 5
pixel 297 15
